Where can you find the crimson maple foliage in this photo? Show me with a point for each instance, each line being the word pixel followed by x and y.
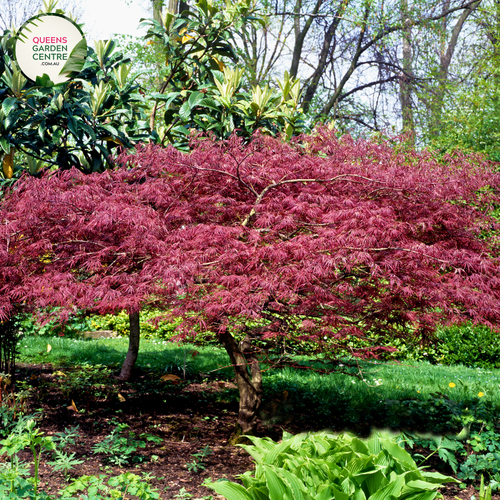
pixel 321 237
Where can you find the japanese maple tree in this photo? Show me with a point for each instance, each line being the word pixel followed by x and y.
pixel 320 237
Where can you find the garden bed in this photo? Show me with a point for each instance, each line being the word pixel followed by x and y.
pixel 184 428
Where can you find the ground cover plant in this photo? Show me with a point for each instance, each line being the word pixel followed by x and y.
pixel 262 240
pixel 189 422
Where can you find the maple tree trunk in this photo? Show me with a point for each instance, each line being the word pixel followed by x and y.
pixel 249 382
pixel 133 347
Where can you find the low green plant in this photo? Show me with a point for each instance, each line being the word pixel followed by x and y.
pixel 61 460
pixel 15 476
pixel 320 466
pixel 64 462
pixel 12 480
pixel 26 434
pixel 484 461
pixel 102 488
pixel 198 463
pixel 32 325
pixel 470 345
pixel 445 448
pixel 484 493
pixel 86 382
pixel 181 365
pixel 183 494
pixel 120 448
pixel 7 420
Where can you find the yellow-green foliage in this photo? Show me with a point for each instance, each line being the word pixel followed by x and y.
pixel 120 324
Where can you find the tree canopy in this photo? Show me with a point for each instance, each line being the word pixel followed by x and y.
pixel 320 237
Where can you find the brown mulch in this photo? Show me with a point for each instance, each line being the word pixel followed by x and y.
pixel 184 416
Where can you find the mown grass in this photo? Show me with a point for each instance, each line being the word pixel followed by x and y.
pixel 410 394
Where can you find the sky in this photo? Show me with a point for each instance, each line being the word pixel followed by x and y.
pixel 103 18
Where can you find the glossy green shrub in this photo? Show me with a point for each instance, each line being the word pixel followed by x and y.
pixel 324 466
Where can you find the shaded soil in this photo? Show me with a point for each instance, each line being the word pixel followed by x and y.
pixel 185 416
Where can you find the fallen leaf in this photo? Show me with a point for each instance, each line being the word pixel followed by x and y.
pixel 73 406
pixel 170 378
pixel 49 348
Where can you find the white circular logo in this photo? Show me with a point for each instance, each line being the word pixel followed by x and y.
pixel 50 44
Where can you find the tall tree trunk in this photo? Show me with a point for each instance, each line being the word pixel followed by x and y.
pixel 248 379
pixel 406 78
pixel 157 10
pixel 446 56
pixel 300 33
pixel 133 347
pixel 325 51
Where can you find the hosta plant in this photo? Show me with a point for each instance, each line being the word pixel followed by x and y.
pixel 324 466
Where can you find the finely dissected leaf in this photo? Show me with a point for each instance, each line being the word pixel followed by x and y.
pixel 322 228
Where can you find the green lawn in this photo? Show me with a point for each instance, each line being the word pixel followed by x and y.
pixel 410 394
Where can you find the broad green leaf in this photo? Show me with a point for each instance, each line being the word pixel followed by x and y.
pixel 195 98
pixel 295 485
pixel 436 477
pixel 271 456
pixel 375 482
pixel 76 59
pixel 339 495
pixel 359 494
pixel 392 489
pixel 357 464
pixel 8 104
pixel 4 144
pixel 185 111
pixel 276 486
pixel 398 453
pixel 44 81
pixel 423 495
pixel 258 493
pixel 421 485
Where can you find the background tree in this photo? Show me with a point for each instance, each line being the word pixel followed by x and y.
pixel 317 238
pixel 13 13
pixel 469 117
pixel 355 58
